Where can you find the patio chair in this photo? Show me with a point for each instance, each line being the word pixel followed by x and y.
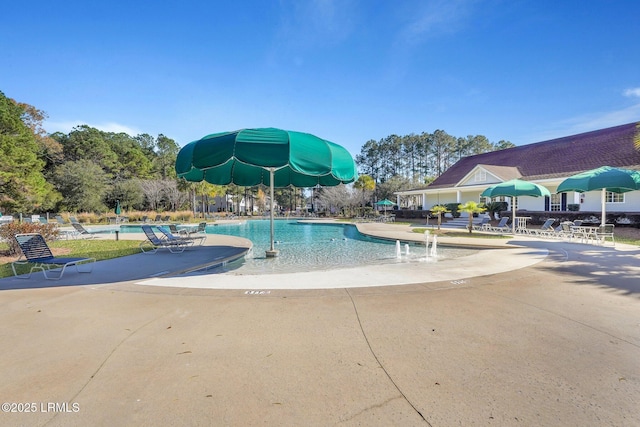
pixel 60 220
pixel 82 232
pixel 158 218
pixel 36 251
pixel 604 232
pixel 186 239
pixel 564 230
pixel 546 230
pixel 482 225
pixel 153 243
pixel 73 220
pixel 502 226
pixel 174 229
pixel 199 230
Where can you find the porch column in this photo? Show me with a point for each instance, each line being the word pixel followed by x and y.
pixel 424 201
pixel 458 196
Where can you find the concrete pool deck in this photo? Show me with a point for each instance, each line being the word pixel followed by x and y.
pixel 551 340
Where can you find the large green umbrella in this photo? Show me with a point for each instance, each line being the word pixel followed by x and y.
pixel 269 156
pixel 515 188
pixel 604 178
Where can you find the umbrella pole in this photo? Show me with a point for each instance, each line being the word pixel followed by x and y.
pixel 272 252
pixel 513 215
pixel 603 221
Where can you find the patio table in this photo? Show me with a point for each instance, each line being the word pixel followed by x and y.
pixel 521 224
pixel 586 233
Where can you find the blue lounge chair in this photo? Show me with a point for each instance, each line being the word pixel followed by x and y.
pixel 502 226
pixel 36 251
pixel 166 232
pixel 483 225
pixel 546 230
pixel 153 243
pixel 83 232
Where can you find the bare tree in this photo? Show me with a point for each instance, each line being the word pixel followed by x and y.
pixel 153 190
pixel 339 197
pixel 174 196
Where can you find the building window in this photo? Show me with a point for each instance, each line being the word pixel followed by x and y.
pixel 614 197
pixel 555 203
pixel 480 176
pixel 487 200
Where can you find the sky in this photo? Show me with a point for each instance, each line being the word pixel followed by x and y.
pixel 346 70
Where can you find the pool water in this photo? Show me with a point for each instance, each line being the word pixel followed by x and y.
pixel 312 246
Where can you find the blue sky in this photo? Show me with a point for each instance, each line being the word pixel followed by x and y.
pixel 346 70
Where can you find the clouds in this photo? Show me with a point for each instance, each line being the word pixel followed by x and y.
pixel 435 17
pixel 66 127
pixel 632 92
pixel 316 23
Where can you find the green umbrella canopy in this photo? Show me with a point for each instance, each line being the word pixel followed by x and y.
pixel 516 188
pixel 117 210
pixel 385 202
pixel 612 179
pixel 246 156
pixel 604 178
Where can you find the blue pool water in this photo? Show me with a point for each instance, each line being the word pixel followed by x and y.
pixel 306 246
pixel 312 246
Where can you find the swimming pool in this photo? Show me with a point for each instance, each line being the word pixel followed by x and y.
pixel 308 246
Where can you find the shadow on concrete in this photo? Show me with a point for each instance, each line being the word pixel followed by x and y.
pixel 133 267
pixel 602 266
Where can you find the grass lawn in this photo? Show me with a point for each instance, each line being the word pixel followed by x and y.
pixel 98 249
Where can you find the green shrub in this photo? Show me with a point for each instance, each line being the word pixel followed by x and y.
pixel 453 208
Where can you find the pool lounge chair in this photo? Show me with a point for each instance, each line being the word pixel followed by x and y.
pixel 153 243
pixel 83 232
pixel 36 251
pixel 546 230
pixel 502 226
pixel 483 225
pixel 200 229
pixel 166 232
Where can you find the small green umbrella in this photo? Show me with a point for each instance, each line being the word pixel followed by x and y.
pixel 604 178
pixel 269 156
pixel 515 188
pixel 385 204
pixel 117 210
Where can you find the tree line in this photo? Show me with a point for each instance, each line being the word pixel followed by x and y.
pixel 87 169
pixel 419 159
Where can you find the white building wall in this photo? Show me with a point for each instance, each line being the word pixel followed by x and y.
pixel 592 201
